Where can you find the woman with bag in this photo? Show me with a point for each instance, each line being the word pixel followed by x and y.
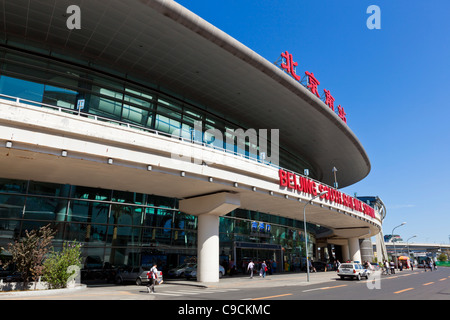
pixel 263 270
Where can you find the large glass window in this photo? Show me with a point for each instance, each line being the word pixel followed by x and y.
pixel 118 227
pixel 21 88
pixel 45 208
pixel 11 206
pixel 13 186
pixel 60 97
pixel 88 212
pixel 167 125
pixel 49 189
pixel 91 193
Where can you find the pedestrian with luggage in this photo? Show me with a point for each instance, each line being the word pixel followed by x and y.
pixel 152 276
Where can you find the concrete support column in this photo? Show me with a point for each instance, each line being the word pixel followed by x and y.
pixel 208 248
pixel 209 209
pixel 355 252
pixel 345 253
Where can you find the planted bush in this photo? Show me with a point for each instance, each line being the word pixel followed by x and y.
pixel 56 267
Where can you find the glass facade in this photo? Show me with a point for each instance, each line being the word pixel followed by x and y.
pixel 119 228
pixel 49 81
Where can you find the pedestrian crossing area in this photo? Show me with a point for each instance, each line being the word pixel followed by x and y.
pixel 190 291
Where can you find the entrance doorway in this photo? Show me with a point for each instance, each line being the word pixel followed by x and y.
pixel 258 252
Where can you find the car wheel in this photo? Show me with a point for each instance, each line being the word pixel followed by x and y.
pixel 220 274
pixel 138 281
pixel 119 280
pixel 342 277
pixel 358 277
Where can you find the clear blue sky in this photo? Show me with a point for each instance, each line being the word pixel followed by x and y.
pixel 394 84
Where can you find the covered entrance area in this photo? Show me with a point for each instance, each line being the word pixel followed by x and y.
pixel 272 254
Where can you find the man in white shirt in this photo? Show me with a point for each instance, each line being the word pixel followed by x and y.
pixel 250 267
pixel 152 276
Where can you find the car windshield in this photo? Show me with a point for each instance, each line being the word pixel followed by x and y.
pixel 346 266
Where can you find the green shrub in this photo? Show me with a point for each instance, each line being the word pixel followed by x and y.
pixel 56 266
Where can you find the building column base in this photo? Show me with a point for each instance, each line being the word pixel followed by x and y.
pixel 354 249
pixel 209 209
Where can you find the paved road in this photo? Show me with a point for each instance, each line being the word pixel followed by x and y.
pixel 415 285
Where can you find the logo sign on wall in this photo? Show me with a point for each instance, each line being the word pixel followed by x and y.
pixel 261 229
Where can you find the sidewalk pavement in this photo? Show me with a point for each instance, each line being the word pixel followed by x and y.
pixel 276 279
pixel 237 281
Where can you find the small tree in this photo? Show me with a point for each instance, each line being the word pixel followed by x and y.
pixel 56 266
pixel 442 257
pixel 29 253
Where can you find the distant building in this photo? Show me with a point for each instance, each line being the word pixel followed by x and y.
pixel 391 238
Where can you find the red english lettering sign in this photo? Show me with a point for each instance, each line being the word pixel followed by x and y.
pixel 299 183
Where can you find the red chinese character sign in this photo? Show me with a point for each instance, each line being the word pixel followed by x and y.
pixel 329 100
pixel 313 83
pixel 342 114
pixel 288 64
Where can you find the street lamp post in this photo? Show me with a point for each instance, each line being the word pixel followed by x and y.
pixel 407 245
pixel 306 235
pixel 334 170
pixel 393 242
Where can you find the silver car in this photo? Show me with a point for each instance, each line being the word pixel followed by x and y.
pixel 191 272
pixel 178 272
pixel 129 273
pixel 144 277
pixel 137 275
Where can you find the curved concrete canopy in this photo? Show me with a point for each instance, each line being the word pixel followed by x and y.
pixel 163 43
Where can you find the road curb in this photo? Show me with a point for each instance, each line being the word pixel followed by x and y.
pixel 41 292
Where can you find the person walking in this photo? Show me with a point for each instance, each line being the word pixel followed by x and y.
pixel 250 267
pixel 262 272
pixel 386 267
pixel 152 278
pixel 392 265
pixel 311 266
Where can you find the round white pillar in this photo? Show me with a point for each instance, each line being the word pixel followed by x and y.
pixel 345 253
pixel 208 248
pixel 353 246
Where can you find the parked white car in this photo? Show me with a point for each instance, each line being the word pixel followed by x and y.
pixel 353 270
